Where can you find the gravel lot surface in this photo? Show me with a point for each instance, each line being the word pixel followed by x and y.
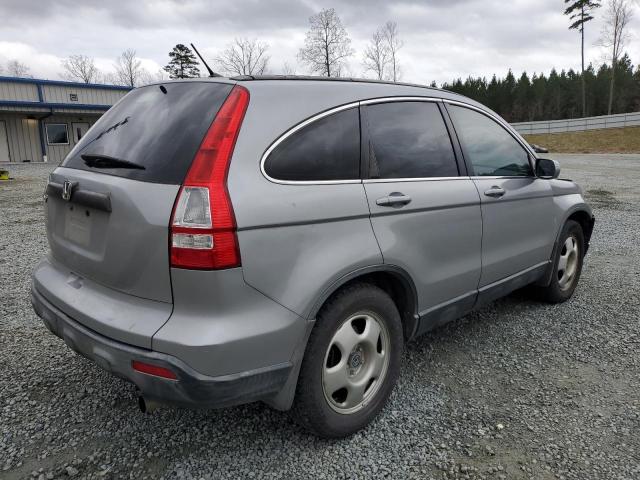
pixel 516 390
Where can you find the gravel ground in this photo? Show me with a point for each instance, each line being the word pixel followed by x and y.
pixel 516 390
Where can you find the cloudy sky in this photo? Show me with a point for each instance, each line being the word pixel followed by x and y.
pixel 443 39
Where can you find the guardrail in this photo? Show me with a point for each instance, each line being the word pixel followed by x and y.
pixel 579 124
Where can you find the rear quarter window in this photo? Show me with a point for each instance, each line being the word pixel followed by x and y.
pixel 324 150
pixel 157 127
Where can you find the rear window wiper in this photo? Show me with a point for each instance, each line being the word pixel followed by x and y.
pixel 104 161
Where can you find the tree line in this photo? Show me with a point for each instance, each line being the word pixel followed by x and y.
pixel 557 95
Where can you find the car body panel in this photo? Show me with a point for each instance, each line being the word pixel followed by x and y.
pixel 312 237
pixel 123 317
pixel 518 229
pixel 436 238
pixel 222 326
pixel 125 249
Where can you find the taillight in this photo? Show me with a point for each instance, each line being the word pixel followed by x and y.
pixel 203 226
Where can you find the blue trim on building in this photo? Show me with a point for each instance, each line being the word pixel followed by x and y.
pixel 43 145
pixel 37 81
pixel 70 106
pixel 40 94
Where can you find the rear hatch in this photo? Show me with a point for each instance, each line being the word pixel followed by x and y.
pixel 110 202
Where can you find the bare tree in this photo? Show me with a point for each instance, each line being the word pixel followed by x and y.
pixel 394 44
pixel 615 36
pixel 376 55
pixel 146 77
pixel 80 67
pixel 288 69
pixel 128 69
pixel 244 57
pixel 327 44
pixel 16 68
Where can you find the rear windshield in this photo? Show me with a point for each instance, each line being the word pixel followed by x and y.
pixel 152 134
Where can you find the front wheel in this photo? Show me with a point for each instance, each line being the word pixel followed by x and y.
pixel 567 264
pixel 352 362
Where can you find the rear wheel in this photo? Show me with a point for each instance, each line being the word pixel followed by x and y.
pixel 352 362
pixel 567 265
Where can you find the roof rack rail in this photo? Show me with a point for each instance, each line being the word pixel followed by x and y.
pixel 244 78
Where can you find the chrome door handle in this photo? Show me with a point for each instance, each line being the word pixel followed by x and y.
pixel 495 192
pixel 394 199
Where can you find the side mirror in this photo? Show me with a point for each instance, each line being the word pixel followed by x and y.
pixel 547 169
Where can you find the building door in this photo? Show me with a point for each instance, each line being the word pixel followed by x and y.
pixel 79 130
pixel 4 143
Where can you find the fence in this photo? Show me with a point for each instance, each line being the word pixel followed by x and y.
pixel 579 124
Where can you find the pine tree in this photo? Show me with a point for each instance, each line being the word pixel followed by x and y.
pixel 182 63
pixel 579 12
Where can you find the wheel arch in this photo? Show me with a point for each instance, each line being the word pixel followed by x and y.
pixel 392 279
pixel 580 213
pixel 586 220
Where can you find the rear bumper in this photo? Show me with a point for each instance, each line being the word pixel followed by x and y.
pixel 190 389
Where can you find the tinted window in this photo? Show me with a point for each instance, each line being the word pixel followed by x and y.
pixel 157 127
pixel 57 134
pixel 327 149
pixel 489 147
pixel 409 140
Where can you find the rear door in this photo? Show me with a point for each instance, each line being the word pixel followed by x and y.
pixel 425 210
pixel 109 204
pixel 517 207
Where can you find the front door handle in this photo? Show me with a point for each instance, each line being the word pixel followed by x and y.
pixel 394 199
pixel 495 192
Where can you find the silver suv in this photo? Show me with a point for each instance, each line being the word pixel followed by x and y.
pixel 222 241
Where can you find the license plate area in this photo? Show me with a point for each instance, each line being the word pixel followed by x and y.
pixel 77 225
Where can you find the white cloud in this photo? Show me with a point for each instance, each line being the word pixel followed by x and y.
pixel 444 39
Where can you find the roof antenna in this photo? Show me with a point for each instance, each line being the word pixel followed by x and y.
pixel 211 72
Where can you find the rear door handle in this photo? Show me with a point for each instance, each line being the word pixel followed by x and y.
pixel 495 192
pixel 394 199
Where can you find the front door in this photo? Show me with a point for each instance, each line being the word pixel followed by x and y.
pixel 425 215
pixel 4 143
pixel 517 207
pixel 79 130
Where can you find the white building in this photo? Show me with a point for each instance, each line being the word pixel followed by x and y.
pixel 41 120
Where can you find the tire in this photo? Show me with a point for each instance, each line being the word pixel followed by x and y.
pixel 564 280
pixel 341 351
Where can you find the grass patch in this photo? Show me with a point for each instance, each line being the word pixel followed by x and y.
pixel 609 140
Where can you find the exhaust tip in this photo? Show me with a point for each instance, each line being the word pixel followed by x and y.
pixel 147 406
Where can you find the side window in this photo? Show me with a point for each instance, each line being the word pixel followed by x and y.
pixel 327 149
pixel 491 149
pixel 409 140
